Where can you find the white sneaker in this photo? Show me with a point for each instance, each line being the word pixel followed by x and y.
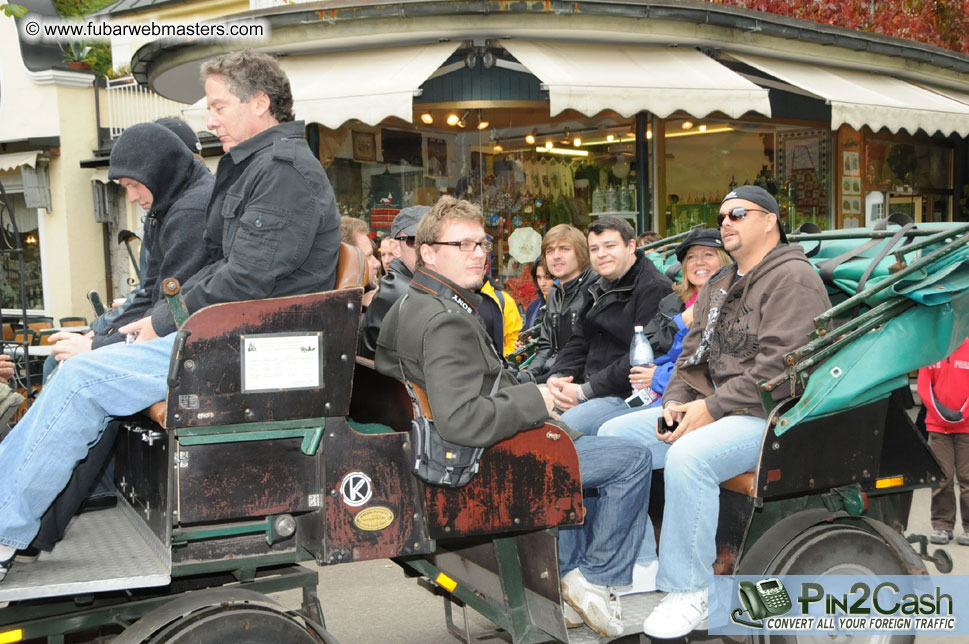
pixel 572 617
pixel 644 579
pixel 677 615
pixel 597 605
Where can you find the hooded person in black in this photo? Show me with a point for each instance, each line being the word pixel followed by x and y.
pixel 180 185
pixel 157 169
pixel 178 189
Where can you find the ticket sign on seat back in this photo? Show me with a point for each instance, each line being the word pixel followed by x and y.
pixel 265 360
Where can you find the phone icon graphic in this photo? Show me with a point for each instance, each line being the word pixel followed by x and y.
pixel 767 597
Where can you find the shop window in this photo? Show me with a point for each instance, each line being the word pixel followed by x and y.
pixel 31 239
pixel 705 159
pixel 911 177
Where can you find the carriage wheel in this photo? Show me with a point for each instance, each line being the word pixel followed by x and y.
pixel 234 624
pixel 835 549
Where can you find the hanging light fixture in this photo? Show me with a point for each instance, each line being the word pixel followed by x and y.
pixel 497 146
pixel 483 125
pixel 577 141
pixel 703 127
pixel 530 137
pixel 30 240
pixel 426 118
pixel 452 119
pixel 610 137
pixel 687 124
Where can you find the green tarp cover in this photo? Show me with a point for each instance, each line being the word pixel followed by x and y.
pixel 873 365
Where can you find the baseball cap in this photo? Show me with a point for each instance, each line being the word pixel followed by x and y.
pixel 762 198
pixel 405 223
pixel 184 132
pixel 699 237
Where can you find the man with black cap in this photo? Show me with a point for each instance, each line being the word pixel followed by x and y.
pixel 748 316
pixel 394 284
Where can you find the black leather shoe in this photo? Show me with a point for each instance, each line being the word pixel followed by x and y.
pixel 27 555
pixel 99 502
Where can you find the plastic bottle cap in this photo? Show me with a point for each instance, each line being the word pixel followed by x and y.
pixel 637 329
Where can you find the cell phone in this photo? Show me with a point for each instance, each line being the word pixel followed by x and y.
pixel 663 428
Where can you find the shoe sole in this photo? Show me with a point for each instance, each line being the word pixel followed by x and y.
pixel 587 619
pixel 26 559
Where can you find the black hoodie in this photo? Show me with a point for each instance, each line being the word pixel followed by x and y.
pixel 180 187
pixel 598 351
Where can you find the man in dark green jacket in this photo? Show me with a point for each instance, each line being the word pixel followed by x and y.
pixel 436 337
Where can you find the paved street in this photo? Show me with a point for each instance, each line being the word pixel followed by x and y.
pixel 373 602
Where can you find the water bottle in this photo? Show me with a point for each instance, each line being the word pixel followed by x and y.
pixel 641 355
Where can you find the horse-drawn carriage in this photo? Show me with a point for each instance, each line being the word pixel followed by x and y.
pixel 276 445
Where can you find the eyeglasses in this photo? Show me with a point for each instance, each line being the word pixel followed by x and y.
pixel 736 214
pixel 467 245
pixel 407 240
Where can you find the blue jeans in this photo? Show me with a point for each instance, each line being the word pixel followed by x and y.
pixel 40 453
pixel 604 547
pixel 640 426
pixel 696 464
pixel 587 417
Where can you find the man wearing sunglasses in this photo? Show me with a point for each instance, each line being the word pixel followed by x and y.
pixel 747 318
pixel 394 284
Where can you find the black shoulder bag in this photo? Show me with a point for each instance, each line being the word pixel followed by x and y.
pixel 438 461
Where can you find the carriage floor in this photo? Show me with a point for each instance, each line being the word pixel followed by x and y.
pixel 101 551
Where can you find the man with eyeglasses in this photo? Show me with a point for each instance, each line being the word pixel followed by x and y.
pixel 394 284
pixel 747 318
pixel 436 338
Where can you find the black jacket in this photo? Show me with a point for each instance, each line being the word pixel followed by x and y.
pixel 392 287
pixel 598 352
pixel 181 187
pixel 563 314
pixel 272 227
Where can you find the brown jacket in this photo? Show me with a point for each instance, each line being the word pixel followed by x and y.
pixel 743 329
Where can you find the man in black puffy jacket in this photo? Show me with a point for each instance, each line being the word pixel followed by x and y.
pixel 591 373
pixel 565 254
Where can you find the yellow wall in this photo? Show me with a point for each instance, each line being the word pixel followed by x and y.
pixel 73 247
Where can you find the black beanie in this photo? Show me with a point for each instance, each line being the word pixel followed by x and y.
pixel 153 155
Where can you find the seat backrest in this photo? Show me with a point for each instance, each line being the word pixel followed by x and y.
pixel 7 331
pixel 351 267
pixel 73 321
pixel 40 324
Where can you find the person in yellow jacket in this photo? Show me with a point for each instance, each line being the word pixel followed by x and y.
pixel 511 316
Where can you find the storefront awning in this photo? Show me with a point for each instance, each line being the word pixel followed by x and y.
pixel 368 85
pixel 14 160
pixel 861 98
pixel 589 78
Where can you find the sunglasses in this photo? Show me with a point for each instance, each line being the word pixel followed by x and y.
pixel 467 245
pixel 736 214
pixel 406 240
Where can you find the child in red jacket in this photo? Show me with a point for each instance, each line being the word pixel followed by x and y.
pixel 944 390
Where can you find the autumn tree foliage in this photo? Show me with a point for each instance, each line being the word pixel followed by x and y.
pixel 944 23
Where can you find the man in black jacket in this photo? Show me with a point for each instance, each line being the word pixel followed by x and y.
pixel 565 254
pixel 272 230
pixel 591 376
pixel 394 284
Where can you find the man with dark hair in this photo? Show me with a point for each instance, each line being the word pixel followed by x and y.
pixel 748 316
pixel 591 374
pixel 272 230
pixel 565 255
pixel 434 337
pixel 393 285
